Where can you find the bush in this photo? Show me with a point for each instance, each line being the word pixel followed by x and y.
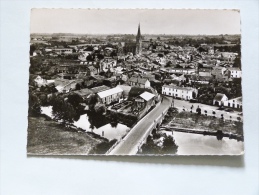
pixel 103 147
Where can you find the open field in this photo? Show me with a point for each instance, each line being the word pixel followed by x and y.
pixel 46 137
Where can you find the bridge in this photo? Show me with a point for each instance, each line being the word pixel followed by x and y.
pixel 137 136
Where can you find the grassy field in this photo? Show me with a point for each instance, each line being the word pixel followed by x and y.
pixel 202 122
pixel 46 137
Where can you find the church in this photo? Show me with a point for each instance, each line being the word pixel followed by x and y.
pixel 134 47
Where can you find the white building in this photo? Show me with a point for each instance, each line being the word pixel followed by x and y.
pixel 219 99
pixel 179 70
pixel 110 95
pixel 235 72
pixel 60 50
pixel 39 81
pixel 234 103
pixel 66 86
pixel 185 93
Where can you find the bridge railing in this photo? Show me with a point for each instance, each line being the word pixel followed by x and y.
pixel 148 132
pixel 118 141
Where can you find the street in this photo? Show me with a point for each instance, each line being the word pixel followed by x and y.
pixel 182 104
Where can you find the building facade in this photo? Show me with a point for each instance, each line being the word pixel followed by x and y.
pixel 235 72
pixel 185 93
pixel 110 95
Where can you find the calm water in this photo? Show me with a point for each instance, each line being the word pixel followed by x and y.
pixel 196 144
pixel 188 143
pixel 106 131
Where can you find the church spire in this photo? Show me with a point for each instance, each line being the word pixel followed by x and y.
pixel 138 41
pixel 139 34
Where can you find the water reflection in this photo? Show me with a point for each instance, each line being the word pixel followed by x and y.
pixel 98 124
pixel 196 144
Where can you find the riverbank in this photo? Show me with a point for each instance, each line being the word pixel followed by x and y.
pixel 48 137
pixel 194 121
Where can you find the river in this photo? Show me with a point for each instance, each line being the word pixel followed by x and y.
pixel 188 143
pixel 106 130
pixel 197 144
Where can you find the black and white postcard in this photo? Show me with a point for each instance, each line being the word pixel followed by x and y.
pixel 135 82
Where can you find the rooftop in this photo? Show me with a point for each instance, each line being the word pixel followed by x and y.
pixel 147 96
pixel 219 96
pixel 110 92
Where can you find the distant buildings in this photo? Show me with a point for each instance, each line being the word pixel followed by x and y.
pixel 140 82
pixel 60 50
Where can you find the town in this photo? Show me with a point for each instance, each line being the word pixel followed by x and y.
pixel 132 93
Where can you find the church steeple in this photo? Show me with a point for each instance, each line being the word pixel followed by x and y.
pixel 139 33
pixel 138 41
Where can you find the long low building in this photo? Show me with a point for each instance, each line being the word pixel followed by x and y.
pixel 185 93
pixel 234 103
pixel 110 95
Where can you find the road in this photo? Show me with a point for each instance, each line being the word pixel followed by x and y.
pixel 182 104
pixel 129 144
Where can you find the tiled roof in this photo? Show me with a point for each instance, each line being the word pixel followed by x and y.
pixel 110 92
pixel 138 80
pixel 179 88
pixel 219 96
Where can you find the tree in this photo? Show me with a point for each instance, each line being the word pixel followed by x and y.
pixel 213 112
pixel 32 49
pixel 75 100
pixel 169 145
pixel 194 95
pixel 63 110
pixel 92 101
pixel 198 110
pixel 34 105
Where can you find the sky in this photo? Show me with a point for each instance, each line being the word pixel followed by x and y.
pixel 153 21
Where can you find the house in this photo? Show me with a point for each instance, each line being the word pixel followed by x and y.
pixel 218 70
pixel 219 99
pixel 60 50
pixel 143 102
pixel 39 81
pixel 92 70
pixel 235 72
pixel 234 103
pixel 126 89
pixel 140 82
pixel 185 93
pixel 99 89
pixel 110 95
pixel 204 72
pixel 84 93
pixel 66 86
pixel 179 70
